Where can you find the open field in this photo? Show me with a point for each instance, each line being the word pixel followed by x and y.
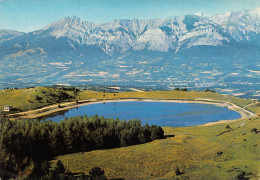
pixel 200 152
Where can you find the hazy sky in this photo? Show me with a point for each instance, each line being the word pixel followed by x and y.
pixel 29 15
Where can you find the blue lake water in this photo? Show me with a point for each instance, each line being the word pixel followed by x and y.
pixel 157 113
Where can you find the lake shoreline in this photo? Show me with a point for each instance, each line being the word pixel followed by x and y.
pixel 34 114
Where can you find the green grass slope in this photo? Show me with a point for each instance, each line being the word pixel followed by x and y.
pixel 33 98
pixel 201 152
pixel 187 95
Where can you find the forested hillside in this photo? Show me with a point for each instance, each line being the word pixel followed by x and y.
pixel 29 144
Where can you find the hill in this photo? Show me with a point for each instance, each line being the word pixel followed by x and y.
pixel 32 98
pixel 227 151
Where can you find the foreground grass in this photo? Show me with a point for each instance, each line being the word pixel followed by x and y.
pixel 201 152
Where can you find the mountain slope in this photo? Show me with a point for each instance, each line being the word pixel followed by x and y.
pixel 241 25
pixel 6 35
pixel 221 51
pixel 119 36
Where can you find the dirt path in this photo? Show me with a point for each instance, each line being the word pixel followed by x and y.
pixel 32 114
pixel 137 90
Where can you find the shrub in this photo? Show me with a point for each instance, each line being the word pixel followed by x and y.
pixel 97 173
pixel 38 98
pixel 228 127
pixel 254 130
pixel 177 171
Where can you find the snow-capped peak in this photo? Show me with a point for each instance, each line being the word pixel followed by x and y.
pixel 200 14
pixel 241 25
pixel 172 33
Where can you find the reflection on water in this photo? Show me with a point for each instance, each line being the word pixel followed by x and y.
pixel 158 113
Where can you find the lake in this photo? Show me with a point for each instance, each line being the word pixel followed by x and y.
pixel 157 113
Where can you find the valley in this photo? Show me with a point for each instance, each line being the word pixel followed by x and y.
pixel 219 52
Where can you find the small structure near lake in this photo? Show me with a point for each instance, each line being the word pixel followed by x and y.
pixel 7 108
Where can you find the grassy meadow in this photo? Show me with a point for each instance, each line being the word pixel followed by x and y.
pixel 34 98
pixel 200 152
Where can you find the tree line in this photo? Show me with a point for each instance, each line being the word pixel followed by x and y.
pixel 28 143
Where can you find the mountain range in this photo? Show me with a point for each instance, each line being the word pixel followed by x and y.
pixel 148 52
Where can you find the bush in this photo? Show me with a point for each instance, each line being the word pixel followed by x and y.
pixel 177 171
pixel 208 90
pixel 97 173
pixel 228 127
pixel 38 98
pixel 60 167
pixel 254 130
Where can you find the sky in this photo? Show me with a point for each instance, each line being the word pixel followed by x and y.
pixel 30 15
